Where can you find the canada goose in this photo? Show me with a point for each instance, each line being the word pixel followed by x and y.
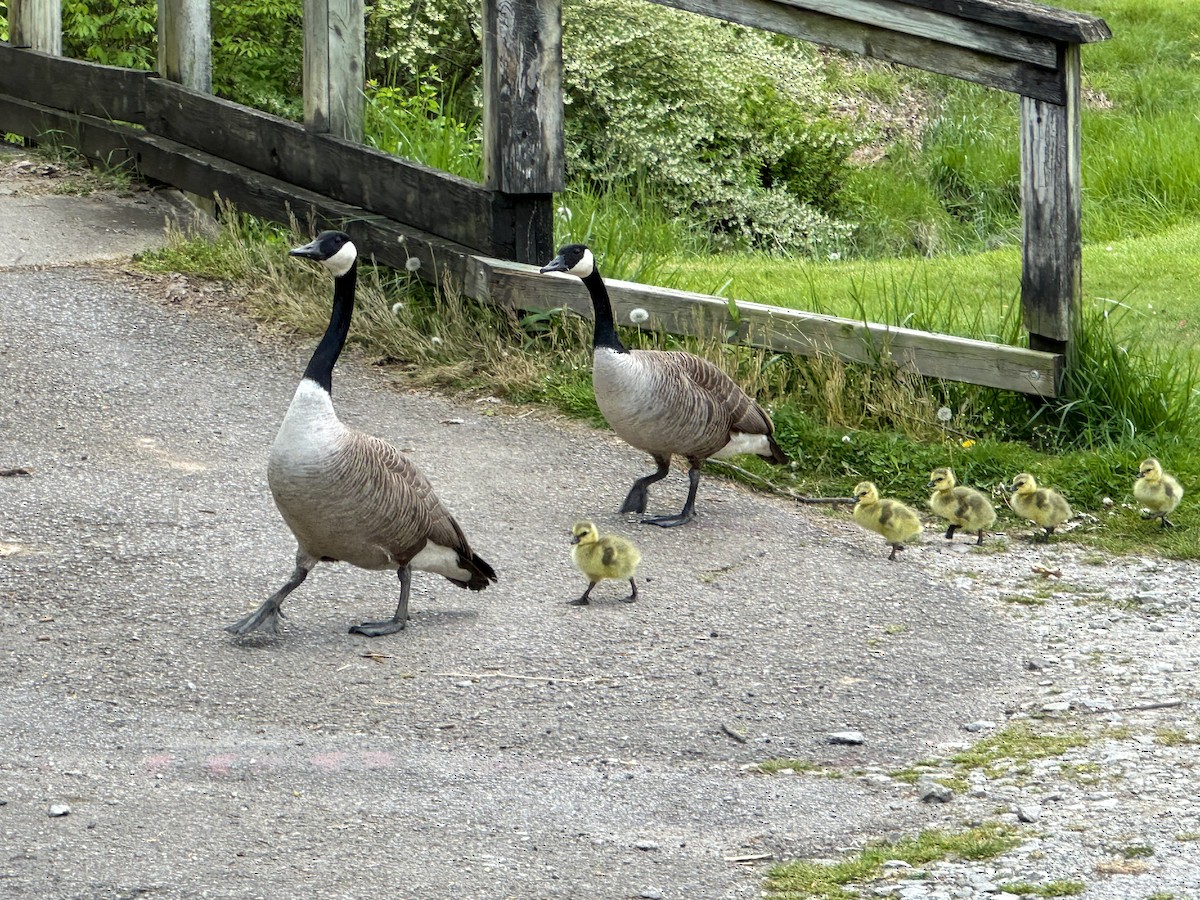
pixel 665 402
pixel 891 518
pixel 964 507
pixel 1043 506
pixel 599 557
pixel 347 496
pixel 1159 492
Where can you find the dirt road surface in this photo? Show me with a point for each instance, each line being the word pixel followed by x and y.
pixel 505 744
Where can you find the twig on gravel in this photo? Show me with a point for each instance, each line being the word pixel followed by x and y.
pixel 1042 570
pixel 749 857
pixel 476 675
pixel 1140 707
pixel 776 489
pixel 733 733
pixel 15 471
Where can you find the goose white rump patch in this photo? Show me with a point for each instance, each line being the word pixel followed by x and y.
pixel 740 442
pixel 441 560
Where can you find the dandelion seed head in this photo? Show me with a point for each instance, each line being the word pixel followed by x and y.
pixel 396 307
pixel 401 238
pixel 412 263
pixel 944 414
pixel 638 316
pixel 436 341
pixel 845 438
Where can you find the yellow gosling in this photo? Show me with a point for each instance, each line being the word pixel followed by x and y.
pixel 963 507
pixel 1042 506
pixel 1157 491
pixel 890 518
pixel 600 557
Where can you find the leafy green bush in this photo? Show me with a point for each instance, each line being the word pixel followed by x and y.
pixel 111 32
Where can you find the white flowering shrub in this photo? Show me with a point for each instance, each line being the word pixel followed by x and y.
pixel 727 125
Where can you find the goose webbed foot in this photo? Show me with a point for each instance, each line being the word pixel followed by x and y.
pixel 639 494
pixel 686 514
pixel 896 548
pixel 396 622
pixel 1166 523
pixel 669 521
pixel 266 617
pixel 378 629
pixel 950 532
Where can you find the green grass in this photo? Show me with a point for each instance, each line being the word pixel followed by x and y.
pixel 833 880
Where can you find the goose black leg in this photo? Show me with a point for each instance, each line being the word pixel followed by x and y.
pixel 268 615
pixel 896 548
pixel 583 601
pixel 396 622
pixel 639 494
pixel 685 514
pixel 1166 523
pixel 950 531
pixel 980 541
pixel 632 597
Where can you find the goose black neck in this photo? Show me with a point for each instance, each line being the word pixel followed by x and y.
pixel 320 367
pixel 605 334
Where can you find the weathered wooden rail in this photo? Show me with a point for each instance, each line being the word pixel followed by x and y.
pixel 172 129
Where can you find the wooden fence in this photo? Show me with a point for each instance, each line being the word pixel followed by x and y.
pixel 170 128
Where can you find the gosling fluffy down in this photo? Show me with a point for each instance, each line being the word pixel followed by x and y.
pixel 963 507
pixel 1157 491
pixel 600 557
pixel 1042 506
pixel 890 518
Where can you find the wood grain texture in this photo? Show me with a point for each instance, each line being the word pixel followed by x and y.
pixel 988 69
pixel 36 24
pixel 522 90
pixel 185 43
pixel 1051 189
pixel 73 85
pixel 334 51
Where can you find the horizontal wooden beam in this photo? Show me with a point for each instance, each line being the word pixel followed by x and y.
pixel 453 208
pixel 73 85
pixel 779 329
pixel 989 69
pixel 160 159
pixel 1063 25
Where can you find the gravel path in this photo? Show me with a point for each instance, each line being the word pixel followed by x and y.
pixel 507 745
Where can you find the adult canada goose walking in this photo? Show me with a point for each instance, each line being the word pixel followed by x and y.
pixel 348 496
pixel 665 402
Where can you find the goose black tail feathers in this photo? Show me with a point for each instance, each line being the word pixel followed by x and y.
pixel 777 455
pixel 481 573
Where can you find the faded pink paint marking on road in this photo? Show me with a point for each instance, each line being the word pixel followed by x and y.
pixel 157 763
pixel 220 764
pixel 377 759
pixel 329 762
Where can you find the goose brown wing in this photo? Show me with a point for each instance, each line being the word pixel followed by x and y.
pixel 430 520
pixel 398 505
pixel 723 397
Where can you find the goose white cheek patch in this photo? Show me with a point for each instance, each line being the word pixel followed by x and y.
pixel 339 264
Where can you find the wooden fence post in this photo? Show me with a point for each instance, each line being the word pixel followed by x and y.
pixel 523 116
pixel 36 24
pixel 1051 275
pixel 185 43
pixel 334 70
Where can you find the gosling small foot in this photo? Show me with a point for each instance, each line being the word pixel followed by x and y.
pixel 896 548
pixel 950 532
pixel 1166 523
pixel 579 601
pixel 378 629
pixel 632 598
pixel 980 539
